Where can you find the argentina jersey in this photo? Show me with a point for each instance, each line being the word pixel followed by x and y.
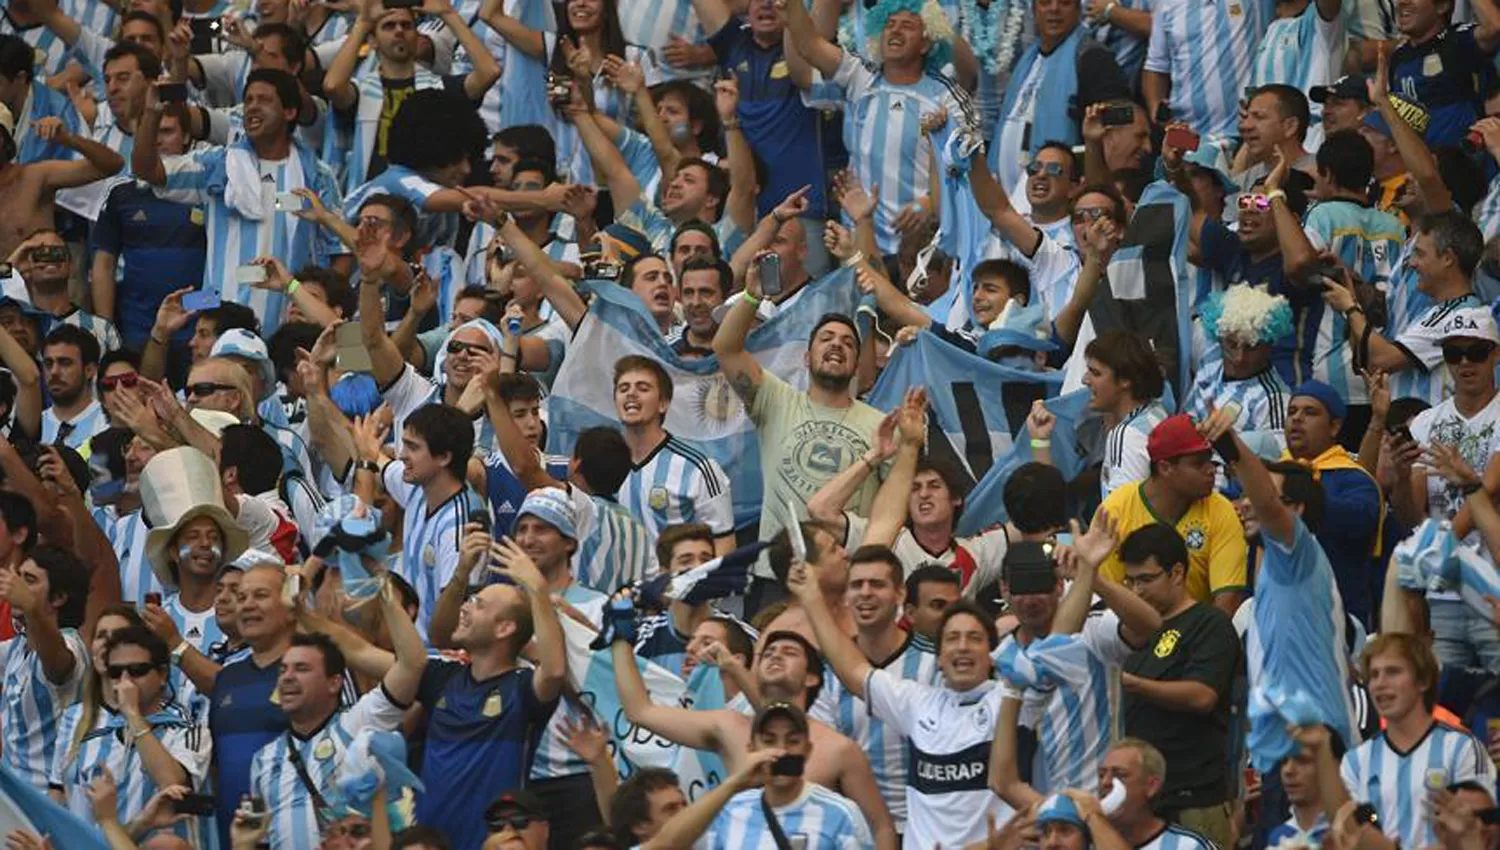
pixel 76 432
pixel 1301 52
pixel 433 228
pixel 476 273
pixel 1206 49
pixel 102 329
pixel 431 535
pixel 1125 458
pixel 1262 397
pixel 818 819
pixel 678 484
pixel 51 51
pixel 553 759
pixel 199 628
pixel 33 706
pixel 1397 783
pixel 614 548
pixel 1174 837
pixel 127 535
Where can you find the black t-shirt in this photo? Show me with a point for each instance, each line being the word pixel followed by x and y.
pixel 1197 645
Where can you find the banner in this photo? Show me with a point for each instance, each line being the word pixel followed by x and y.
pixel 23 807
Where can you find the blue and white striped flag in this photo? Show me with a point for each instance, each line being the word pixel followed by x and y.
pixel 705 410
pixel 22 807
pixel 716 579
pixel 1433 559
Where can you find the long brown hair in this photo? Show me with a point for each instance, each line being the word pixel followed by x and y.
pixel 93 687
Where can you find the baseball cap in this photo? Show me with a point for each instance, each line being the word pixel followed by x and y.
pixel 781 708
pixel 552 506
pixel 238 342
pixel 514 802
pixel 1470 323
pixel 1174 437
pixel 1348 87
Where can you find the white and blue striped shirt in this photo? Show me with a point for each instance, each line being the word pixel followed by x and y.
pixel 431 535
pixel 1262 397
pixel 74 433
pixel 553 759
pixel 102 328
pixel 1125 458
pixel 678 484
pixel 560 250
pixel 34 707
pixel 369 105
pixel 614 548
pixel 1129 50
pixel 817 820
pixel 234 239
pixel 127 535
pixel 1206 49
pixel 274 776
pixel 433 228
pixel 1174 837
pixel 52 51
pixel 1422 340
pixel 1301 52
pixel 1397 783
pixel 199 628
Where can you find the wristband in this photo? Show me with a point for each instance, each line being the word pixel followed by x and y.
pixel 1108 9
pixel 854 259
pixel 618 625
pixel 1041 444
pixel 367 466
pixel 178 651
pixel 293 286
pixel 505 354
pixel 866 461
pixel 1471 489
pixel 754 302
pixel 158 341
pixel 136 736
pixel 731 124
pixel 1352 310
pixel 1274 195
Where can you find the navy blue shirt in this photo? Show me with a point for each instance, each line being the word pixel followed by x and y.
pixel 1219 249
pixel 480 740
pixel 1449 76
pixel 245 715
pixel 162 247
pixel 782 130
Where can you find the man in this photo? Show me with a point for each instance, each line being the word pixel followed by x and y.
pixel 644 803
pixel 930 590
pixel 70 360
pixel 805 812
pixel 1053 177
pixel 1198 62
pixel 1309 822
pixel 240 215
pixel 826 415
pixel 1141 768
pixel 1353 508
pixel 30 100
pixel 1180 492
pixel 907 86
pixel 670 482
pixel 43 667
pixel 517 818
pixel 1301 51
pixel 1176 689
pixel 1046 71
pixel 375 99
pixel 207 326
pixel 1391 174
pixel 1344 101
pixel 1252 254
pixel 702 286
pixel 46 263
pixel 319 731
pixel 788 669
pixel 145 247
pixel 1274 125
pixel 1460 51
pixel 671 638
pixel 30 190
pixel 1243 322
pixel 1125 384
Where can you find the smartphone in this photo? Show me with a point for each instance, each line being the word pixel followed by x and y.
pixel 789 766
pixel 601 270
pixel 1118 116
pixel 153 599
pixel 558 90
pixel 350 349
pixel 482 518
pixel 1182 138
pixel 401 4
pixel 202 299
pixel 769 268
pixel 1401 432
pixel 250 273
pixel 290 202
pixel 201 805
pixel 253 810
pixel 172 92
pixel 1366 814
pixel 1031 579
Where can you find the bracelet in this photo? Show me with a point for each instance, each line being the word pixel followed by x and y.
pixel 754 302
pixel 367 466
pixel 866 461
pixel 1471 489
pixel 731 124
pixel 854 259
pixel 158 341
pixel 293 286
pixel 1352 310
pixel 1040 444
pixel 1274 195
pixel 1108 9
pixel 178 651
pixel 505 354
pixel 136 736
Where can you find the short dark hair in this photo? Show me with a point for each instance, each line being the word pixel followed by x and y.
pixel 603 459
pixel 696 226
pixel 283 345
pixel 446 430
pixel 230 315
pixel 627 272
pixel 814 658
pixel 529 141
pixel 1117 200
pixel 16 511
pixel 700 108
pixel 679 533
pixel 779 553
pixel 333 657
pixel 877 554
pixel 1290 103
pixel 642 363
pixel 1036 498
pixel 119 355
pixel 139 635
pixel 1454 231
pixel 1130 356
pixel 288 91
pixel 929 574
pixel 254 454
pixel 1298 487
pixel 736 639
pixel 16 57
pixel 67 577
pixel 435 128
pixel 1348 159
pixel 403 215
pixel 718 181
pixel 86 343
pixel 832 319
pixel 1075 168
pixel 973 609
pixel 335 286
pixel 293 42
pixel 148 63
pixel 539 165
pixel 631 805
pixel 146 18
pixel 723 274
pixel 1157 540
pixel 1016 278
pixel 420 834
pixel 519 386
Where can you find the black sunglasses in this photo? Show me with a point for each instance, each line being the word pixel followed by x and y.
pixel 517 821
pixel 136 671
pixel 1053 169
pixel 455 346
pixel 1475 353
pixel 206 388
pixel 1089 213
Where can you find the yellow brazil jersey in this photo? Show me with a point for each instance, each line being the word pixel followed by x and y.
pixel 1210 528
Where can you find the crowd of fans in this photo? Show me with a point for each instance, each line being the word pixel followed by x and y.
pixel 749 424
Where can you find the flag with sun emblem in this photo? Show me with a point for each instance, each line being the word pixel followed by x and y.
pixel 705 411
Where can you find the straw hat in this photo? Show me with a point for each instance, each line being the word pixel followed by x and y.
pixel 178 486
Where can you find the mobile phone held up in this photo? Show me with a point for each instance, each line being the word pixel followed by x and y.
pixel 1182 138
pixel 769 268
pixel 203 299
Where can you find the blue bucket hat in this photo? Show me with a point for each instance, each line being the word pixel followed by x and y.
pixel 238 342
pixel 552 506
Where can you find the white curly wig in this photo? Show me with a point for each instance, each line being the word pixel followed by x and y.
pixel 1247 313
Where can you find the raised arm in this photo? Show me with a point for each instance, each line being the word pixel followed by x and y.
pixel 759 239
pixel 819 52
pixel 485 70
pixel 366 659
pixel 699 730
pixel 891 301
pixel 1101 240
pixel 98 161
pixel 1005 774
pixel 338 80
pixel 376 261
pixel 42 633
pixel 828 504
pixel 739 366
pixel 1418 158
pixel 624 188
pixel 411 655
pixel 551 650
pixel 518 35
pixel 56 20
pixel 145 162
pixel 838 649
pixel 1087 553
pixel 28 378
pixel 558 290
pixel 473 553
pixel 740 205
pixel 688 825
pixel 888 513
pixel 519 454
pixel 995 205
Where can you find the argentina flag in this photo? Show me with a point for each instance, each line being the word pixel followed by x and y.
pixel 984 506
pixel 705 411
pixel 22 807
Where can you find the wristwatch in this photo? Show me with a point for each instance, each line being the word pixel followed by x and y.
pixel 367 465
pixel 178 651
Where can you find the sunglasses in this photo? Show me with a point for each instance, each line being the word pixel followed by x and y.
pixel 1089 214
pixel 517 821
pixel 1053 169
pixel 113 382
pixel 469 348
pixel 48 254
pixel 205 388
pixel 1253 201
pixel 1475 353
pixel 136 671
pixel 356 830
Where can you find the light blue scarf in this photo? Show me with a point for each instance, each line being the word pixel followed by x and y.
pixel 1054 98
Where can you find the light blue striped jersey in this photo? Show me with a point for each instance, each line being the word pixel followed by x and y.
pixel 1367 241
pixel 274 777
pixel 1421 340
pixel 646 217
pixel 411 390
pixel 105 745
pixel 890 760
pixel 102 328
pixel 92 15
pixel 882 132
pixel 817 820
pixel 127 535
pixel 1206 49
pixel 1295 641
pixel 1129 50
pixel 1301 52
pixel 235 238
pixel 559 249
pixel 431 535
pixel 678 484
pixel 573 162
pixel 1397 783
pixel 1487 216
pixel 433 228
pixel 74 433
pixel 614 548
pixel 42 102
pixel 370 103
pixel 34 706
pixel 553 759
pixel 199 628
pixel 1174 837
pixel 1125 458
pixel 1262 397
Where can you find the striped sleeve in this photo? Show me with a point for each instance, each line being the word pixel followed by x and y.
pixel 189 176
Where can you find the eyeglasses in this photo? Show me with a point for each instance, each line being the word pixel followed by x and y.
pixel 1476 353
pixel 136 671
pixel 113 382
pixel 1053 169
pixel 48 253
pixel 517 821
pixel 1089 214
pixel 1254 201
pixel 357 830
pixel 1136 581
pixel 204 388
pixel 469 348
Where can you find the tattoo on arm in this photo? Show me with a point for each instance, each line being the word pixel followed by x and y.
pixel 745 387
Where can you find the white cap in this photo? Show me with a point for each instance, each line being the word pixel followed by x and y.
pixel 1471 323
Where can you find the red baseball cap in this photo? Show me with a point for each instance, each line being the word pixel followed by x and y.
pixel 1174 437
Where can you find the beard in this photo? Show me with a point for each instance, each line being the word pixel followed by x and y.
pixel 830 381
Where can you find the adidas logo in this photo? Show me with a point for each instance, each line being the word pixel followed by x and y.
pixel 195 632
pixel 140 215
pixel 506 508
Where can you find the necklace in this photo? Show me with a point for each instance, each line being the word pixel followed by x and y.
pixel 994 32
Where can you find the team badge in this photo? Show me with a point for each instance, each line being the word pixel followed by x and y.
pixel 657 498
pixel 429 556
pixel 324 750
pixel 492 705
pixel 276 696
pixel 1435 779
pixel 1432 65
pixel 1167 643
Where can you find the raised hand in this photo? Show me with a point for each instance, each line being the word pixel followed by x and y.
pixel 1103 535
pixel 625 76
pixel 586 738
pixel 103 797
pixel 851 195
pixel 838 241
pixel 1040 422
pixel 793 205
pixel 514 561
pixel 1452 466
pixel 727 98
pixel 912 416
